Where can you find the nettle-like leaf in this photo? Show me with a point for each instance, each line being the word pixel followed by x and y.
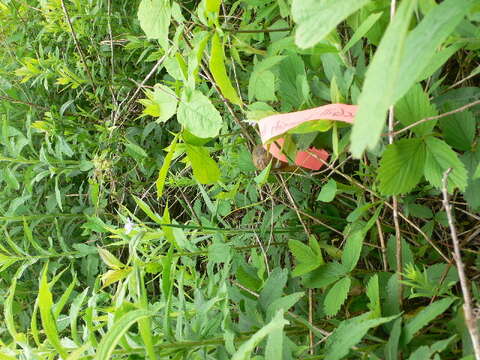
pixel 262 80
pixel 401 167
pixel 413 107
pixel 459 130
pixel 307 259
pixel 198 115
pixel 328 191
pixel 316 19
pixel 336 296
pixel 353 248
pixel 154 17
pixel 439 158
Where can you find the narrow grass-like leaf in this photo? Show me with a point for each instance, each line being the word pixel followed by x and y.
pixel 45 304
pixel 380 82
pixel 316 19
pixel 219 72
pixel 362 30
pixel 73 315
pixel 162 174
pixel 120 327
pixel 391 348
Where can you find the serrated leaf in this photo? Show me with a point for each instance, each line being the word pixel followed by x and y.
pixel 307 259
pixel 373 294
pixel 439 158
pixel 324 275
pixel 285 303
pixel 391 348
pixel 328 191
pixel 219 72
pixel 205 169
pixel 154 17
pixel 459 130
pixel 199 116
pixel 273 288
pixel 424 317
pixel 262 80
pixel 471 159
pixel 353 249
pixel 379 87
pixel 349 333
pixel 413 107
pixel 401 167
pixel 316 19
pixel 336 296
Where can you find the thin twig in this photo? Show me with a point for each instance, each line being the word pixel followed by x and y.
pixel 112 58
pixel 77 45
pixel 460 109
pixel 467 306
pixel 382 245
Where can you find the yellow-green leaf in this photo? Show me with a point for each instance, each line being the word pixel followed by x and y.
pixel 219 72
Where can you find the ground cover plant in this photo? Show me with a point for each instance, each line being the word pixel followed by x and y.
pixel 135 224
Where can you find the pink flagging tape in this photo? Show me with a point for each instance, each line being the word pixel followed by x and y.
pixel 275 125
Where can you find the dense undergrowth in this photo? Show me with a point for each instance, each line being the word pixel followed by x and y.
pixel 133 221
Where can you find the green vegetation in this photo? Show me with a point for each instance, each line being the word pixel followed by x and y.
pixel 134 224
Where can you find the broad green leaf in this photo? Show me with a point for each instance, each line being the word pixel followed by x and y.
pixel 349 333
pixel 441 157
pixel 285 303
pixel 328 191
pixel 391 348
pixel 307 259
pixel 353 249
pixel 213 5
pixel 293 86
pixel 45 304
pixel 162 174
pixel 160 103
pixel 245 350
pixel 316 19
pixel 413 107
pixel 401 167
pixel 459 130
pixel 336 296
pixel 115 333
pixel 205 169
pixel 424 317
pixel 324 275
pixel 262 80
pixel 423 41
pixel 219 72
pixel 273 288
pixel 379 87
pixel 362 30
pixel 199 116
pixel 154 17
